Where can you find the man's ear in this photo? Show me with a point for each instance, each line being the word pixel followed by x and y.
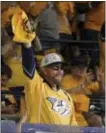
pixel 44 70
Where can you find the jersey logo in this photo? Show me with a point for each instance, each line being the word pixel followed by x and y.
pixel 59 106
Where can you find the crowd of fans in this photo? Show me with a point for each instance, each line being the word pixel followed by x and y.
pixel 84 64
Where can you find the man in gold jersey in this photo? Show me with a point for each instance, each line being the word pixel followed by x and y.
pixel 92 26
pixel 46 102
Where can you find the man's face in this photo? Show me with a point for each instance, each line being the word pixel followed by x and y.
pixel 4 80
pixel 54 73
pixel 79 71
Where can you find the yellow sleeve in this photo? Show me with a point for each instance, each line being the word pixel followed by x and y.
pixel 32 96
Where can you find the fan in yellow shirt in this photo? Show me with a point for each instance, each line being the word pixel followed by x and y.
pixel 45 101
pixel 66 13
pixel 92 26
pixel 93 11
pixel 78 84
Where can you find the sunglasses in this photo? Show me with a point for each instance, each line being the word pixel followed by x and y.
pixel 56 67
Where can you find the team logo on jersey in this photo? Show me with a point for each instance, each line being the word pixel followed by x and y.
pixel 60 106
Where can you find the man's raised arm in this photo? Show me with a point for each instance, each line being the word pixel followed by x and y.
pixel 28 61
pixel 24 35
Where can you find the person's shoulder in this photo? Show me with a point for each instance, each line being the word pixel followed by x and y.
pixel 36 79
pixel 67 77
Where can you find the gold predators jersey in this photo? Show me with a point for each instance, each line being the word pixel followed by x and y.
pixel 46 105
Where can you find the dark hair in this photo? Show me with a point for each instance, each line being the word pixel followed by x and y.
pixel 80 60
pixel 6 70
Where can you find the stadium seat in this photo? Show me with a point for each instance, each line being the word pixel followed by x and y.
pixel 8 126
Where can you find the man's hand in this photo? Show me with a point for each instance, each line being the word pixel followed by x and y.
pixel 99 74
pixel 101 81
pixel 89 77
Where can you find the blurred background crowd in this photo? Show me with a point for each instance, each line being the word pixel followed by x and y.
pixel 75 30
